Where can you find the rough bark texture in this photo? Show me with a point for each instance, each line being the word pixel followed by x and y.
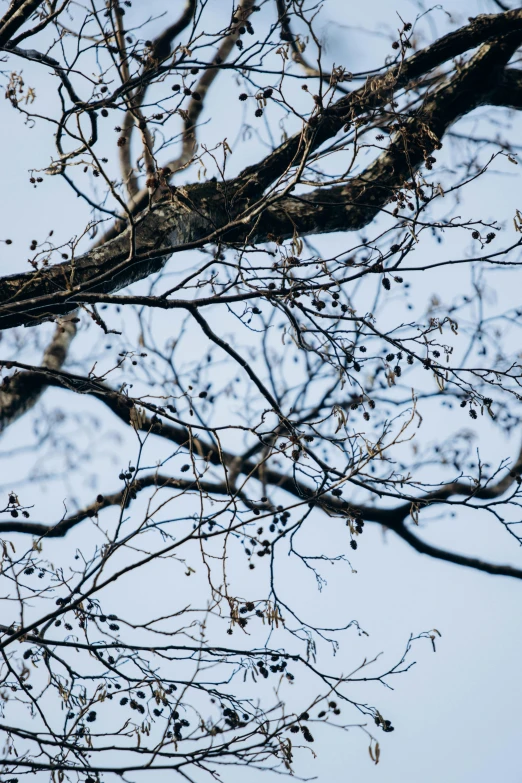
pixel 16 16
pixel 195 215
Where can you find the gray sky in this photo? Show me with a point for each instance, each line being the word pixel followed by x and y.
pixel 456 712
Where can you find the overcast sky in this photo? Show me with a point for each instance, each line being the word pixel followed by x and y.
pixel 456 712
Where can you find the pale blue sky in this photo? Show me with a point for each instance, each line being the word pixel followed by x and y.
pixel 456 713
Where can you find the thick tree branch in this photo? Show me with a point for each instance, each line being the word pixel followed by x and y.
pixel 15 17
pixel 376 92
pixel 108 267
pixel 277 432
pixel 23 390
pixel 326 124
pixel 509 90
pixel 122 498
pixel 391 518
pixel 198 214
pixel 451 557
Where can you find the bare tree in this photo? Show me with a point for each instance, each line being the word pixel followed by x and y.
pixel 263 385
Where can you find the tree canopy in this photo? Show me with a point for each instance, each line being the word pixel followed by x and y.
pixel 249 359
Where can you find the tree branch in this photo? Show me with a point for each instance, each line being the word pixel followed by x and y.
pixel 122 498
pixel 198 214
pixel 15 17
pixel 24 390
pixel 451 557
pixel 390 518
pixel 195 107
pixel 509 90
